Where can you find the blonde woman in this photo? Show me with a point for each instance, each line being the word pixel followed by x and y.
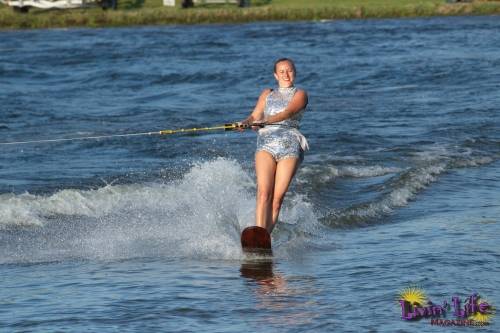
pixel 280 145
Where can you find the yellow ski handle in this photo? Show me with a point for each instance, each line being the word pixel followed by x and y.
pixel 226 127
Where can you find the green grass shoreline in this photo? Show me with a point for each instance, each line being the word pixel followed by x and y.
pixel 153 13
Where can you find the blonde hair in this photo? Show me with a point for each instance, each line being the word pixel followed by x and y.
pixel 284 59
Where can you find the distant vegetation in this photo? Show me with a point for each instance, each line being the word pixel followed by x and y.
pixel 152 12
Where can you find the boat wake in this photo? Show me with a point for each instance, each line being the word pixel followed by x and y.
pixel 202 213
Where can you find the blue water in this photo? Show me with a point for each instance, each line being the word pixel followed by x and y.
pixel 141 234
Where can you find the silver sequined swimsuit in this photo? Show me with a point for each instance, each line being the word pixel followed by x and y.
pixel 283 139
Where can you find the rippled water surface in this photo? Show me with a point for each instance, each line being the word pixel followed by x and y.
pixel 141 233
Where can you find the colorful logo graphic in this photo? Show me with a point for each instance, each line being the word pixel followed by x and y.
pixel 469 311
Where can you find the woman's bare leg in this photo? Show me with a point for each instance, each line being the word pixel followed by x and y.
pixel 285 170
pixel 265 169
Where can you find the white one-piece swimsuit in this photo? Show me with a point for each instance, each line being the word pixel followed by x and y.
pixel 282 139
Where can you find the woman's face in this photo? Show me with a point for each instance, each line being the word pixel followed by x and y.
pixel 285 75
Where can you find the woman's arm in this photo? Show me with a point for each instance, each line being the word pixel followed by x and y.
pixel 298 102
pixel 258 112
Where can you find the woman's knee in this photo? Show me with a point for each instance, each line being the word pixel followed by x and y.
pixel 264 196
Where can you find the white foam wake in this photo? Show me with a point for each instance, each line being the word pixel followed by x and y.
pixel 429 165
pixel 329 172
pixel 199 215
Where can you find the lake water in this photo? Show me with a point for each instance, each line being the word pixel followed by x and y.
pixel 141 234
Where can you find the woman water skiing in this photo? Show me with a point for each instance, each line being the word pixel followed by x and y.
pixel 280 145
